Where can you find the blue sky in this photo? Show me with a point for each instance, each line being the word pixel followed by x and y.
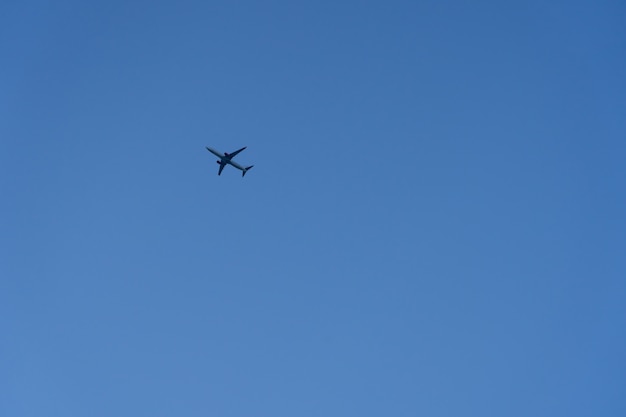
pixel 434 224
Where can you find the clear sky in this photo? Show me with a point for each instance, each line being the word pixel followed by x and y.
pixel 435 223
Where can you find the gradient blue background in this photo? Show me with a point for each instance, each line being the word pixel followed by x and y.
pixel 435 223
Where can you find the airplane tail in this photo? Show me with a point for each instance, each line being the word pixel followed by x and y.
pixel 243 173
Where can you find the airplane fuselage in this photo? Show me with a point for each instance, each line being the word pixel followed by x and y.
pixel 225 158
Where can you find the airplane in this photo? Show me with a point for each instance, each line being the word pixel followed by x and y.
pixel 226 159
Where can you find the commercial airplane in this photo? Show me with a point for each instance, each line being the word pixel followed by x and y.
pixel 226 159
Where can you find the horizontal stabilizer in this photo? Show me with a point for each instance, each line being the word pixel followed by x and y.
pixel 243 173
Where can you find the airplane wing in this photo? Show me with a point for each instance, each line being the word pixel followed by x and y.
pixel 222 165
pixel 232 155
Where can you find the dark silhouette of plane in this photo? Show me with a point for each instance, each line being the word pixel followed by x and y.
pixel 226 159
